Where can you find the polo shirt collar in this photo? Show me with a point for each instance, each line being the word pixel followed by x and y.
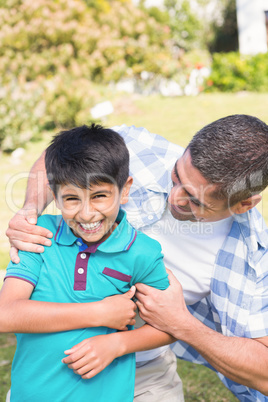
pixel 121 239
pixel 64 234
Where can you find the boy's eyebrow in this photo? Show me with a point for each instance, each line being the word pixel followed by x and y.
pixel 69 195
pixel 101 192
pixel 192 197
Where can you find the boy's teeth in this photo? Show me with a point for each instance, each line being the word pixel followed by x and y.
pixel 90 226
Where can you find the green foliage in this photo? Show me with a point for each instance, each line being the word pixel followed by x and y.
pixel 186 27
pixel 21 108
pixel 232 72
pixel 52 51
pixel 42 38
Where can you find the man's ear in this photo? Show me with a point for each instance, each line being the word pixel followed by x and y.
pixel 125 190
pixel 246 205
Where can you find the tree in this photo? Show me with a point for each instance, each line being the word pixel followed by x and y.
pixel 225 33
pixel 186 27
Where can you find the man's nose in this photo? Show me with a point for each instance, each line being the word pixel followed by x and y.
pixel 178 196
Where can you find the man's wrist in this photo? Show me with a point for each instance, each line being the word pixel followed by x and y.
pixel 31 207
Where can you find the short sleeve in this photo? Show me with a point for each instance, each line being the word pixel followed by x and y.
pixel 28 269
pixel 151 270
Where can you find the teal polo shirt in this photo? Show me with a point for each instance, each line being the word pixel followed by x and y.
pixel 71 272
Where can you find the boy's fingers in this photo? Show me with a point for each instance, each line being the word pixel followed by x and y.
pixel 131 292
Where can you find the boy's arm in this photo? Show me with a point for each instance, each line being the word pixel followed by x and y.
pixel 19 314
pixel 22 232
pixel 92 355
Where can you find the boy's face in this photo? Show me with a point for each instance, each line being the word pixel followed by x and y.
pixel 91 213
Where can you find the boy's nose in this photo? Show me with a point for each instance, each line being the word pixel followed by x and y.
pixel 86 211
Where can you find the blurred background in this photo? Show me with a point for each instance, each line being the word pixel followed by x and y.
pixel 171 66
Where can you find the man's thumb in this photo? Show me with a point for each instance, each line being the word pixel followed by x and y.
pixel 32 218
pixel 173 281
pixel 131 292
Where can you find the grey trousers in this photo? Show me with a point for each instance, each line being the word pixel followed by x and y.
pixel 157 380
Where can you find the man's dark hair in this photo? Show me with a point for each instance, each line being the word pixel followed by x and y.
pixel 86 155
pixel 232 152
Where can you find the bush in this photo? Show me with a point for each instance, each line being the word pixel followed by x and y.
pixel 21 111
pixel 232 72
pixel 44 38
pixel 52 51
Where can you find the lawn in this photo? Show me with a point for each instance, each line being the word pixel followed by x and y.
pixel 177 119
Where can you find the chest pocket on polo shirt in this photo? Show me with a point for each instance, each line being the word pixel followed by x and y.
pixel 120 280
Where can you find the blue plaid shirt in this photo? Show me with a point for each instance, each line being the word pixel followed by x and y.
pixel 238 302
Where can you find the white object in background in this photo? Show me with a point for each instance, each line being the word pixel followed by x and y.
pixel 102 109
pixel 251 26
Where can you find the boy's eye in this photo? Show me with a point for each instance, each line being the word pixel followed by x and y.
pixel 99 196
pixel 72 199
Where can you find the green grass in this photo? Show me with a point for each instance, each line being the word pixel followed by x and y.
pixel 177 119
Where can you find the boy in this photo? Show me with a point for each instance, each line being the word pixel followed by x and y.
pixel 95 254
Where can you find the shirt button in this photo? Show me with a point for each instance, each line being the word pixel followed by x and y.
pixel 79 243
pixel 80 271
pixel 83 256
pixel 150 217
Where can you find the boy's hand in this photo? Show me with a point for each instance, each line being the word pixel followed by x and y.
pixel 118 311
pixel 24 235
pixel 92 355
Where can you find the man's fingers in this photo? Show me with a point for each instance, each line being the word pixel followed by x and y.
pixel 24 226
pixel 13 253
pixel 28 238
pixel 30 247
pixel 142 288
pixel 140 296
pixel 32 218
pixel 173 281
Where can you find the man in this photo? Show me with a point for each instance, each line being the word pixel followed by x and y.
pixel 216 245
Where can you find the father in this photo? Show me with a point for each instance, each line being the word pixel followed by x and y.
pixel 216 246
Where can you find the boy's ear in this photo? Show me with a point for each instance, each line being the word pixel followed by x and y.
pixel 246 205
pixel 125 190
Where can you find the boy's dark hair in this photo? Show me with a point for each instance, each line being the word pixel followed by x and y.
pixel 86 155
pixel 233 153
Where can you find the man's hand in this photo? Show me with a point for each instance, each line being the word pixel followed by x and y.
pixel 92 355
pixel 24 235
pixel 162 308
pixel 118 311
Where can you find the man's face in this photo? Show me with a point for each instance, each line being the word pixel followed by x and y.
pixel 191 197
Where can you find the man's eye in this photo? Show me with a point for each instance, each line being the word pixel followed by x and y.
pixel 195 202
pixel 72 199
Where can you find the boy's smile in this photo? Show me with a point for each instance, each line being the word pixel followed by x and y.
pixel 91 213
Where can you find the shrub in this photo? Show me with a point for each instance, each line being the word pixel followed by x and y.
pixel 21 111
pixel 232 72
pixel 51 51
